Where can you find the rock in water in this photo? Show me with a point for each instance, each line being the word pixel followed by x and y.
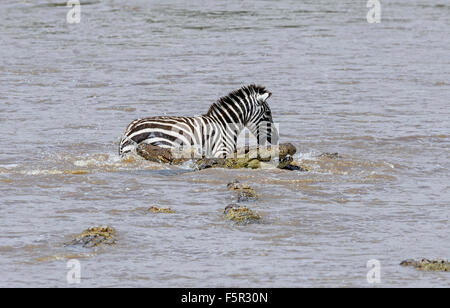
pixel 428 265
pixel 285 162
pixel 287 149
pixel 154 153
pixel 94 237
pixel 243 191
pixel 241 214
pixel 229 163
pixel 297 167
pixel 330 155
pixel 253 158
pixel 166 210
pixel 244 158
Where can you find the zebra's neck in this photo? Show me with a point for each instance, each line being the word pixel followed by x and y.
pixel 231 114
pixel 237 107
pixel 224 134
pixel 234 114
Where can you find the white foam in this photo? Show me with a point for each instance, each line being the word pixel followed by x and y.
pixel 41 172
pixel 308 156
pixel 9 166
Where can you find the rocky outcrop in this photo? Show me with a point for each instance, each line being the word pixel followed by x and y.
pixel 94 237
pixel 243 192
pixel 154 153
pixel 428 265
pixel 166 210
pixel 253 158
pixel 241 214
pixel 334 155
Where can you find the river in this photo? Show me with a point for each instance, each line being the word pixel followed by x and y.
pixel 376 93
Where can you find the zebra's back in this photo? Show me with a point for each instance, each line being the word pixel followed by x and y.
pixel 163 131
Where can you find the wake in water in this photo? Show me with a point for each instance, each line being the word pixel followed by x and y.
pixel 71 164
pixel 313 162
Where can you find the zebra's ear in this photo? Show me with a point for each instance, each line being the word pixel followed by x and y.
pixel 264 97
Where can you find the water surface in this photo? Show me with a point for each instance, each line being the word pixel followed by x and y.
pixel 378 94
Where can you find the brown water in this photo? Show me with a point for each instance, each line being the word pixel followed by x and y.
pixel 376 93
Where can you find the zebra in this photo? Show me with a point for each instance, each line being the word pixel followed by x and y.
pixel 213 134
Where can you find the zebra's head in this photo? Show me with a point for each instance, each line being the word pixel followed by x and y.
pixel 259 120
pixel 247 107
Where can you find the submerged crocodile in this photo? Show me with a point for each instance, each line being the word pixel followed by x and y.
pixel 280 156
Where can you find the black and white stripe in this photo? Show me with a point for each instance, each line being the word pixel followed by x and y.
pixel 213 134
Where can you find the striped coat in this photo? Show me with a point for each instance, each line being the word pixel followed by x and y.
pixel 213 134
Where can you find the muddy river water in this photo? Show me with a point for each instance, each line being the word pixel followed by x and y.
pixel 376 93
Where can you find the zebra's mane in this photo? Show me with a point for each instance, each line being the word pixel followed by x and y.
pixel 240 93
